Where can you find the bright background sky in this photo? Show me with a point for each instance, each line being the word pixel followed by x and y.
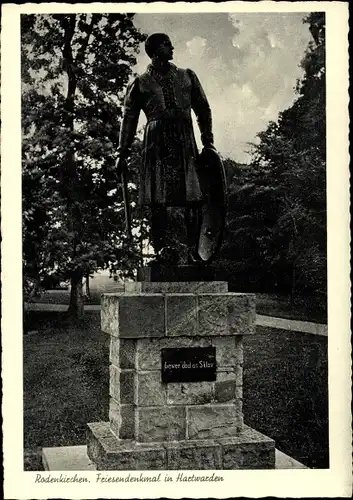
pixel 247 63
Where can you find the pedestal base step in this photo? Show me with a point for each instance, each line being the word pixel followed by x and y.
pixel 249 450
pixel 75 458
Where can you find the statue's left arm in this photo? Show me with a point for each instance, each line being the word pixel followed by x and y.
pixel 201 107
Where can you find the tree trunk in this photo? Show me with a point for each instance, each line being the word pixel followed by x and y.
pixel 35 290
pixel 293 285
pixel 88 291
pixel 141 246
pixel 76 308
pixel 69 172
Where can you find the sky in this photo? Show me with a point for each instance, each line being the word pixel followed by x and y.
pixel 248 65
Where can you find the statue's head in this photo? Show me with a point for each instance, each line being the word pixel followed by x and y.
pixel 159 46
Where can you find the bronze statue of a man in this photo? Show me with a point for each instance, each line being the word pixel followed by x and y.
pixel 169 176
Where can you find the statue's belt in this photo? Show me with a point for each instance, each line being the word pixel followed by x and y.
pixel 171 114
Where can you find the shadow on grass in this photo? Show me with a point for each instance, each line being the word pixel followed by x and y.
pixel 286 392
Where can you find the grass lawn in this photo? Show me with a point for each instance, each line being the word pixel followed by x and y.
pixel 66 380
pixel 66 384
pixel 281 306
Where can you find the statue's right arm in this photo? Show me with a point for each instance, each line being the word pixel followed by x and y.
pixel 131 113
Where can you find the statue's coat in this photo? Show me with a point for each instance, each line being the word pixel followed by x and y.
pixel 169 176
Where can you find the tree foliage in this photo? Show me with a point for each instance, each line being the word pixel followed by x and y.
pixel 277 226
pixel 74 70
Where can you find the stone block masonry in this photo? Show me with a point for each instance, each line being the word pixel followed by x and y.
pixel 141 324
pixel 155 315
pixel 214 421
pixel 140 385
pixel 249 450
pixel 177 422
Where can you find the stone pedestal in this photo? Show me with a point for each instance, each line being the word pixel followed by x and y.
pixel 188 273
pixel 176 425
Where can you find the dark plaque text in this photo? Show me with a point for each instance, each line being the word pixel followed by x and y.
pixel 189 364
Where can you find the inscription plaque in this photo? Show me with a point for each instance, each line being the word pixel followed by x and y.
pixel 189 364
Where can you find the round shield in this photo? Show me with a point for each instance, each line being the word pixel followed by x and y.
pixel 213 184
